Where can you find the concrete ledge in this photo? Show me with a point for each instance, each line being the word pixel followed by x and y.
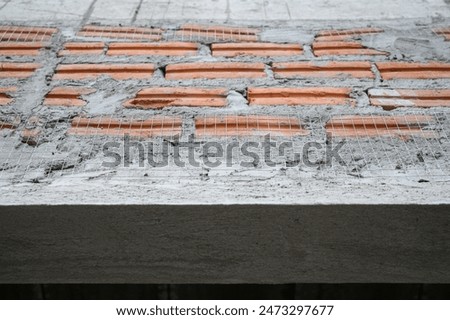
pixel 225 244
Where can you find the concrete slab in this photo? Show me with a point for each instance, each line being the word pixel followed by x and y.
pixel 237 11
pixel 120 10
pixel 45 11
pixel 224 244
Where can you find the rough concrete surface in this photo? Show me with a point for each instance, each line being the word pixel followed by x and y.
pixel 63 169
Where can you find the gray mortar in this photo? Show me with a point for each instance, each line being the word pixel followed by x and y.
pixel 379 170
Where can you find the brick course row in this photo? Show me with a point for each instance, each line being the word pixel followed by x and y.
pixel 263 49
pixel 163 97
pixel 229 70
pixel 350 126
pixel 354 126
pixel 28 34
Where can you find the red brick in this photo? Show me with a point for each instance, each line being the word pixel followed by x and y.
pixel 107 126
pixel 406 70
pixel 251 125
pixel 339 35
pixel 67 96
pixel 115 71
pixel 19 33
pixel 299 96
pixel 392 98
pixel 218 33
pixel 5 95
pixel 158 98
pixel 445 32
pixel 17 70
pixel 215 70
pixel 353 126
pixel 256 49
pixel 332 69
pixel 159 48
pixel 76 48
pixel 20 48
pixel 31 136
pixel 131 33
pixel 339 48
pixel 9 122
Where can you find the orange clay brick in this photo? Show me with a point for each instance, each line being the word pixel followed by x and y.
pixel 107 126
pixel 339 35
pixel 378 126
pixel 213 70
pixel 158 98
pixel 299 96
pixel 115 71
pixel 158 49
pixel 393 98
pixel 5 95
pixel 17 70
pixel 77 48
pixel 67 96
pixel 340 48
pixel 407 70
pixel 130 33
pixel 251 125
pixel 332 69
pixel 218 33
pixel 31 136
pixel 20 33
pixel 263 49
pixel 20 48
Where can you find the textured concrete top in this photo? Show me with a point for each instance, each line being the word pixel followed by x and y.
pixel 220 11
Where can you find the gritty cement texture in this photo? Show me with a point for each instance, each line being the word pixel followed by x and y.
pixel 64 169
pixel 240 11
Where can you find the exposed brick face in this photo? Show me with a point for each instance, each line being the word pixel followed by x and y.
pixel 160 48
pixel 407 70
pixel 373 126
pixel 256 49
pixel 20 33
pixel 115 71
pixel 238 62
pixel 393 98
pixel 218 33
pixel 5 95
pixel 299 96
pixel 215 70
pixel 340 48
pixel 31 136
pixel 130 33
pixel 347 34
pixel 20 48
pixel 67 96
pixel 333 69
pixel 252 125
pixel 17 70
pixel 76 48
pixel 107 126
pixel 158 98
